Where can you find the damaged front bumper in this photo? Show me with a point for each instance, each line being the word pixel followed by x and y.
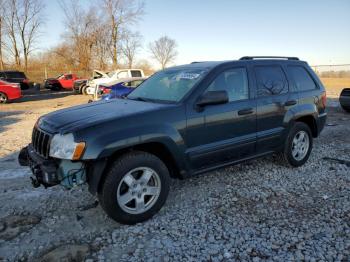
pixel 51 172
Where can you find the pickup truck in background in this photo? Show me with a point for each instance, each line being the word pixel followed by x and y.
pixel 111 78
pixel 64 81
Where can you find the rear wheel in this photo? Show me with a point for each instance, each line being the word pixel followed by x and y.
pixel 83 90
pixel 298 145
pixel 135 188
pixel 3 98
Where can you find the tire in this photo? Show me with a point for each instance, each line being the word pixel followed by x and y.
pixel 83 90
pixel 3 98
pixel 289 156
pixel 346 108
pixel 126 183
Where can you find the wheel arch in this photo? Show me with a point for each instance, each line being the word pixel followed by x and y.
pixel 158 149
pixel 310 121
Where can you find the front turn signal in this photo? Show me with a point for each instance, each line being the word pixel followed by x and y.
pixel 79 151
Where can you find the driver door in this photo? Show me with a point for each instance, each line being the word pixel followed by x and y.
pixel 67 81
pixel 223 133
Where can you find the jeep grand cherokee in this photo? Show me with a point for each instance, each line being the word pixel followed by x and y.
pixel 182 121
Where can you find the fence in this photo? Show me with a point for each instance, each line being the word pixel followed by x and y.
pixel 324 71
pixel 332 71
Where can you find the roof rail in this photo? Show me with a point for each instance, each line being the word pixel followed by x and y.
pixel 268 57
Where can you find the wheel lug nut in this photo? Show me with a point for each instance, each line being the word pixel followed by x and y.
pixel 144 190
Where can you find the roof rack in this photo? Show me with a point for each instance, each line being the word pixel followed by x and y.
pixel 268 57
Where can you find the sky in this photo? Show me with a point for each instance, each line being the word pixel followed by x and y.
pixel 317 31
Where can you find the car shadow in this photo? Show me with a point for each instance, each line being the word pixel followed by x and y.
pixel 42 94
pixel 8 118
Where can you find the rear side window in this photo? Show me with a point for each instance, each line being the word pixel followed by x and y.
pixel 136 73
pixel 68 77
pixel 271 81
pixel 301 78
pixel 2 75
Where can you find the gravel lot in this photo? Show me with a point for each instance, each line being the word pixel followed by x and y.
pixel 255 211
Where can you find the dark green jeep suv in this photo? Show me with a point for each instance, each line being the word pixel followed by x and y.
pixel 182 121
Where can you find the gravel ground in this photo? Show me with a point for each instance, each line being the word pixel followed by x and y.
pixel 257 211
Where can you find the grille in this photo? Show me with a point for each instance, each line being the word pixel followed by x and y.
pixel 41 142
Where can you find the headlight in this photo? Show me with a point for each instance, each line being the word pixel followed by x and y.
pixel 64 147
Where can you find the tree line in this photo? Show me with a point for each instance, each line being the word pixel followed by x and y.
pixel 97 36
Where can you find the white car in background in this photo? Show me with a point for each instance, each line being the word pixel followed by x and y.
pixel 111 78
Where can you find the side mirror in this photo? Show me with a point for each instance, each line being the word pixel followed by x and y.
pixel 212 98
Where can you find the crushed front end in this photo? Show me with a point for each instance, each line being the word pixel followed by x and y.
pixel 47 170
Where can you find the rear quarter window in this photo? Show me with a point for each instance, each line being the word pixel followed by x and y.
pixel 301 79
pixel 271 81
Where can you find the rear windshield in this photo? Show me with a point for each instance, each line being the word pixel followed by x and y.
pixel 136 73
pixel 15 75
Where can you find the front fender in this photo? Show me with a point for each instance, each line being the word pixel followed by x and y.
pixel 107 143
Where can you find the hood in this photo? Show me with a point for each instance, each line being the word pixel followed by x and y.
pixel 79 117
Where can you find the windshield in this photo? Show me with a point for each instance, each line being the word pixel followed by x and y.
pixel 168 85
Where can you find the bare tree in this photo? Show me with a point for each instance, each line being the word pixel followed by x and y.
pixel 131 43
pixel 11 30
pixel 164 50
pixel 21 20
pixel 1 39
pixel 28 14
pixel 121 13
pixel 83 27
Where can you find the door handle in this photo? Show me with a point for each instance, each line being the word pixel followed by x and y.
pixel 245 111
pixel 290 103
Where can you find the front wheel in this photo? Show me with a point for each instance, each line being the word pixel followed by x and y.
pixel 3 98
pixel 298 145
pixel 135 188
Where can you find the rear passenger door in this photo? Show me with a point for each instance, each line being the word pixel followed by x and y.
pixel 274 99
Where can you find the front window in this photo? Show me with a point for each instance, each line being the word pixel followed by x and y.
pixel 168 85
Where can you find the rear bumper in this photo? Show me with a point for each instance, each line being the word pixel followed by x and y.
pixel 321 122
pixel 15 94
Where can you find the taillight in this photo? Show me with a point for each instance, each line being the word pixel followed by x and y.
pixel 324 99
pixel 105 89
pixel 26 81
